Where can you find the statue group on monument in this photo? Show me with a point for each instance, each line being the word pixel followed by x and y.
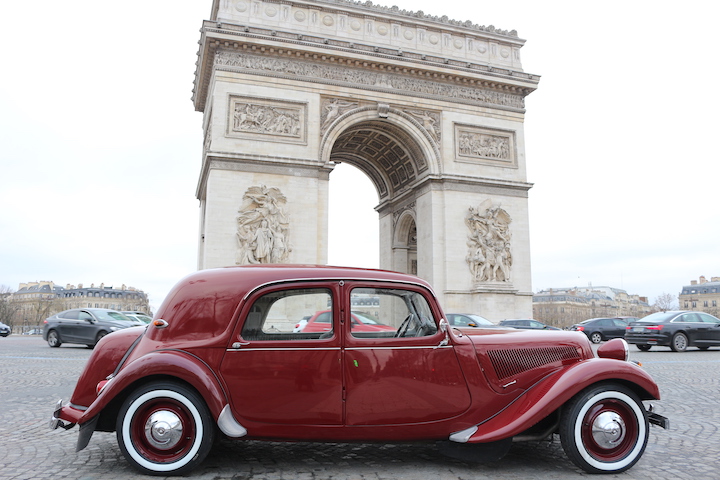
pixel 489 256
pixel 262 227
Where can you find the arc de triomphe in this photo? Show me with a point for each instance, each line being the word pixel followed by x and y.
pixel 430 109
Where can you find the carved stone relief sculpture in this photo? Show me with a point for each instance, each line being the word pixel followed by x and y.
pixel 272 120
pixel 262 227
pixel 400 84
pixel 429 120
pixel 482 145
pixel 331 109
pixel 489 254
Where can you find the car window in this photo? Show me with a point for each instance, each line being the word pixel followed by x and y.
pixel 399 313
pixel 70 314
pixel 85 316
pixel 535 324
pixel 705 318
pixel 277 315
pixel 619 323
pixel 686 318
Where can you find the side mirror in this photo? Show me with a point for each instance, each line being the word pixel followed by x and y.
pixel 444 325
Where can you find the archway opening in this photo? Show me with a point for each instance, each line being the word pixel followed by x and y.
pixel 353 228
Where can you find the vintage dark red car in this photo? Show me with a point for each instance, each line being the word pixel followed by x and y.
pixel 221 357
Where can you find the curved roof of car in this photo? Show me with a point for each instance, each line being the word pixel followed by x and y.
pixel 209 297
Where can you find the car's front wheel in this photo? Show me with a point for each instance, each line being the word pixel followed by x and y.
pixel 53 339
pixel 644 348
pixel 679 342
pixel 165 429
pixel 596 337
pixel 604 429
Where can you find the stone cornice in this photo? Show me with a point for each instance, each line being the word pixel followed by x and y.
pixel 456 183
pixel 369 7
pixel 459 81
pixel 258 164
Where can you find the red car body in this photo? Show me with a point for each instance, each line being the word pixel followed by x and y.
pixel 221 357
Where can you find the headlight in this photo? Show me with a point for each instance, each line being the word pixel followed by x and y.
pixel 616 348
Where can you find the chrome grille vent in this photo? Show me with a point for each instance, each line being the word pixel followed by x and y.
pixel 510 363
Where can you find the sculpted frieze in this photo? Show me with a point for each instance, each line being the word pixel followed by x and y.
pixel 262 227
pixel 253 117
pixel 489 250
pixel 483 145
pixel 356 76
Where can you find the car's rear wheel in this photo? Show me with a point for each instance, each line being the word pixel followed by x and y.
pixel 165 429
pixel 596 337
pixel 644 348
pixel 53 339
pixel 604 429
pixel 679 342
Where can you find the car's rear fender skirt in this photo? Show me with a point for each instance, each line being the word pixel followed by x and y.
pixel 165 364
pixel 552 392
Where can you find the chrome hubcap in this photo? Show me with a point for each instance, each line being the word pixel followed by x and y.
pixel 163 430
pixel 608 430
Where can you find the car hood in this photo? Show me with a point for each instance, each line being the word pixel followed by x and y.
pixel 514 360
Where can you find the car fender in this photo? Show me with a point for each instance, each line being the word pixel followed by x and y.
pixel 552 392
pixel 166 363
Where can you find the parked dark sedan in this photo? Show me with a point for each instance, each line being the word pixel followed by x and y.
pixel 677 330
pixel 599 329
pixel 526 324
pixel 4 330
pixel 84 326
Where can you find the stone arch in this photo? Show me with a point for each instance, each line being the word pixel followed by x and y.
pixel 404 243
pixel 389 146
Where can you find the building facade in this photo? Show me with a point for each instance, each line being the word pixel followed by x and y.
pixel 702 295
pixel 36 301
pixel 563 307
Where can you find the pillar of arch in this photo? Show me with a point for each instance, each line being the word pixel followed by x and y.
pixel 430 109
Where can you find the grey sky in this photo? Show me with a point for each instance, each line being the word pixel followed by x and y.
pixel 101 147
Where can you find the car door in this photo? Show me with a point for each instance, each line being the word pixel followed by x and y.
pixel 409 375
pixel 279 376
pixel 694 328
pixel 709 333
pixel 70 326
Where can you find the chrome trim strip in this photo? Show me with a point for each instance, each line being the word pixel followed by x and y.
pixel 281 349
pixel 77 407
pixel 228 425
pixel 415 347
pixel 464 435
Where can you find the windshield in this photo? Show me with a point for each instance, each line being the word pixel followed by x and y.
pixel 659 317
pixel 111 316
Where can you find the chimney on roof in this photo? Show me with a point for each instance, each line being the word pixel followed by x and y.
pixel 693 282
pixel 715 279
pixel 702 279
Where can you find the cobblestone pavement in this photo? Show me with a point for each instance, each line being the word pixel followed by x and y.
pixel 34 376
